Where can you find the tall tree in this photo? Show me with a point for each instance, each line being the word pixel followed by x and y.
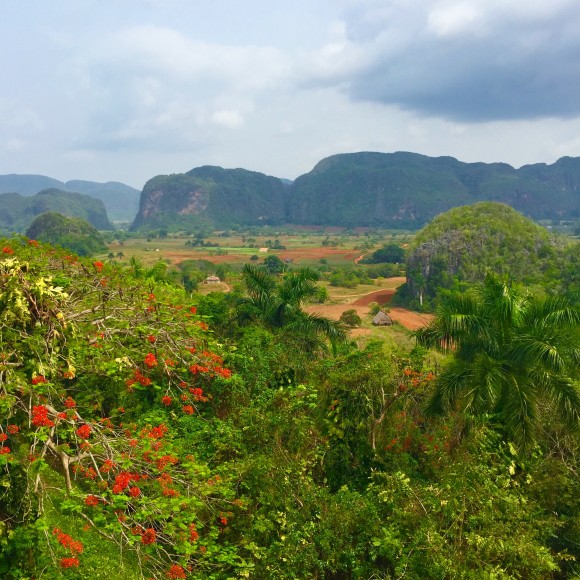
pixel 279 303
pixel 513 354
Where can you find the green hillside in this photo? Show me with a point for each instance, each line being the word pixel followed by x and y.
pixel 74 234
pixel 408 190
pixel 121 201
pixel 17 211
pixel 459 245
pixel 211 195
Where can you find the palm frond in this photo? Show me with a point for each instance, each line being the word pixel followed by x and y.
pixel 259 283
pixel 519 414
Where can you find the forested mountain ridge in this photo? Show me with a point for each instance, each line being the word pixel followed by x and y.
pixel 17 211
pixel 361 189
pixel 214 195
pixel 121 200
pixel 408 189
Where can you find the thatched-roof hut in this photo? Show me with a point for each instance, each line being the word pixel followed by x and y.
pixel 382 319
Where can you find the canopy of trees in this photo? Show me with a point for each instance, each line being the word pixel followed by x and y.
pixel 146 432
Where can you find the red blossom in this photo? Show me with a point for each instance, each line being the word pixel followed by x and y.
pixel 38 379
pixel 176 572
pixel 91 500
pixel 107 466
pixel 149 536
pixel 158 432
pixel 67 542
pixel 7 250
pixel 40 417
pixel 193 535
pixel 69 562
pixel 4 450
pixel 13 429
pixel 152 339
pixel 98 266
pixel 188 409
pixel 3 437
pixel 166 400
pixel 70 403
pixel 134 492
pixel 84 432
pixel 151 360
pixel 193 310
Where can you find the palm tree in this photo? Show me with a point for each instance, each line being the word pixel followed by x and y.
pixel 512 354
pixel 279 304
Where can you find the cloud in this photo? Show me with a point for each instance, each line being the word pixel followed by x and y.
pixel 464 60
pixel 153 86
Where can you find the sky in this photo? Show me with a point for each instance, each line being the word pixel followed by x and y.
pixel 124 90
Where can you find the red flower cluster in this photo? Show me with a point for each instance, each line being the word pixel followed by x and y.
pixel 69 562
pixel 40 417
pixel 198 369
pixel 98 266
pixel 149 536
pixel 151 360
pixel 152 339
pixel 67 542
pixel 91 500
pixel 107 466
pixel 158 432
pixel 138 377
pixel 13 429
pixel 188 409
pixel 193 535
pixel 166 400
pixel 123 480
pixel 84 432
pixel 176 572
pixel 4 450
pixel 7 250
pixel 38 379
pixel 69 403
pixel 3 437
pixel 134 492
pixel 166 460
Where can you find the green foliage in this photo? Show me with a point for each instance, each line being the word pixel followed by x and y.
pixel 391 254
pixel 18 212
pixel 216 439
pixel 461 244
pixel 74 234
pixel 511 353
pixel 407 190
pixel 350 318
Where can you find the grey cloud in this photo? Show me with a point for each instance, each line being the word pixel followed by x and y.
pixel 471 61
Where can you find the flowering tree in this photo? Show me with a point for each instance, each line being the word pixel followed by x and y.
pixel 97 375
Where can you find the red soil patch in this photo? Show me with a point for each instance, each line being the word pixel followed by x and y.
pixel 407 318
pixel 380 297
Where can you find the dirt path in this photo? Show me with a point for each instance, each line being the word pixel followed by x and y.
pixel 360 303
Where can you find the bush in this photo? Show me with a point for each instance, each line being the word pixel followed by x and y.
pixel 350 318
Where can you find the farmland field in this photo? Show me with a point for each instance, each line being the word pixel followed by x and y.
pixel 317 249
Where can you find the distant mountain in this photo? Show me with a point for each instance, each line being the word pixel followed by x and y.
pixel 17 212
pixel 121 201
pixel 408 190
pixel 211 195
pixel 404 190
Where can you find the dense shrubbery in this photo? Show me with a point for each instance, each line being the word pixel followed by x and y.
pixel 144 434
pixel 458 247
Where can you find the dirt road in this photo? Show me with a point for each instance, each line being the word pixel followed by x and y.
pixel 407 318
